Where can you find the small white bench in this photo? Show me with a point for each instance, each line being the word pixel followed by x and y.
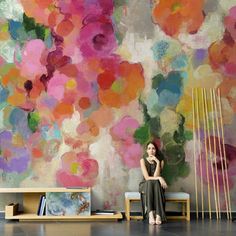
pixel 179 197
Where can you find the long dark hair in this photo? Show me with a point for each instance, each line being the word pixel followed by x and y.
pixel 154 144
pixel 159 154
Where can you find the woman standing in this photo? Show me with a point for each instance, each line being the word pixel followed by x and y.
pixel 153 185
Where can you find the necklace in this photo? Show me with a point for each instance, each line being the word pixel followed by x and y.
pixel 151 162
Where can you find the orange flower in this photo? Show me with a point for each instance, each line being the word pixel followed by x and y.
pixel 87 130
pixel 62 111
pixel 39 10
pixel 223 56
pixel 118 88
pixel 175 16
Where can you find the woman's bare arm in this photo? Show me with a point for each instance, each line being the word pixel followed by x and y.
pixel 145 173
pixel 162 165
pixel 144 170
pixel 157 173
pixel 159 167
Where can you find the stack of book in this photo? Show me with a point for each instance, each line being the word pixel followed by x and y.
pixel 42 206
pixel 105 212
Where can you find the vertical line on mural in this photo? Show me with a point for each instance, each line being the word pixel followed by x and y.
pixel 194 152
pixel 214 154
pixel 220 150
pixel 224 153
pixel 200 154
pixel 125 10
pixel 206 150
pixel 210 150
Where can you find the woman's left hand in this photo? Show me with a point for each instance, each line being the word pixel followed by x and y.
pixel 163 182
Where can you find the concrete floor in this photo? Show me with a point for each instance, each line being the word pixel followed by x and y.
pixel 137 228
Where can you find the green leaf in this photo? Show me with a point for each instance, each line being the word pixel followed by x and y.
pixel 184 170
pixel 156 80
pixel 142 134
pixel 188 135
pixel 28 22
pixel 33 121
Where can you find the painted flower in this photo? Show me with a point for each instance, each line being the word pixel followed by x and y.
pixel 122 134
pixel 227 91
pixel 120 85
pixel 170 89
pixel 230 22
pixel 86 100
pixel 230 152
pixel 131 154
pixel 56 86
pixel 31 64
pixel 123 131
pixel 87 130
pixel 45 144
pixel 86 7
pixel 63 110
pixel 14 84
pixel 102 117
pixel 169 55
pixel 40 10
pixel 178 16
pixel 222 55
pixel 97 37
pixel 78 169
pixel 14 157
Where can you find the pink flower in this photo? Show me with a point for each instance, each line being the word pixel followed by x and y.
pixel 230 22
pixel 97 37
pixel 78 169
pixel 122 134
pixel 86 7
pixel 131 154
pixel 56 86
pixel 124 129
pixel 230 165
pixel 31 64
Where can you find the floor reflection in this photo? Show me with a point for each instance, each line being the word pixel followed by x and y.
pixel 137 228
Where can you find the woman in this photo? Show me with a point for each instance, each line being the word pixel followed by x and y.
pixel 153 185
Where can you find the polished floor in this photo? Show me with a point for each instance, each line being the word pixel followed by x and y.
pixel 136 228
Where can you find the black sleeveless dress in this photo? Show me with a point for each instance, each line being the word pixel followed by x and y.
pixel 154 194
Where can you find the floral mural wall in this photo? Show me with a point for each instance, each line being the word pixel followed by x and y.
pixel 85 84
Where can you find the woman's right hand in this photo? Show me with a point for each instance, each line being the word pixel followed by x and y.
pixel 153 158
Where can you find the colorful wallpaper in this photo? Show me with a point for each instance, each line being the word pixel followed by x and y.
pixel 85 84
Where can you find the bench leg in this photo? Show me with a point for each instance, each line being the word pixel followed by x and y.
pixel 143 206
pixel 188 210
pixel 183 208
pixel 127 209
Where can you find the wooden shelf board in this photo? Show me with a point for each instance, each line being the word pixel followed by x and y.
pixel 30 217
pixel 136 217
pixel 42 190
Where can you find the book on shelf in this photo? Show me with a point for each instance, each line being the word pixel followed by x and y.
pixel 42 206
pixel 105 212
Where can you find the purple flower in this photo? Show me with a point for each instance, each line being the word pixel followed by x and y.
pixel 13 157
